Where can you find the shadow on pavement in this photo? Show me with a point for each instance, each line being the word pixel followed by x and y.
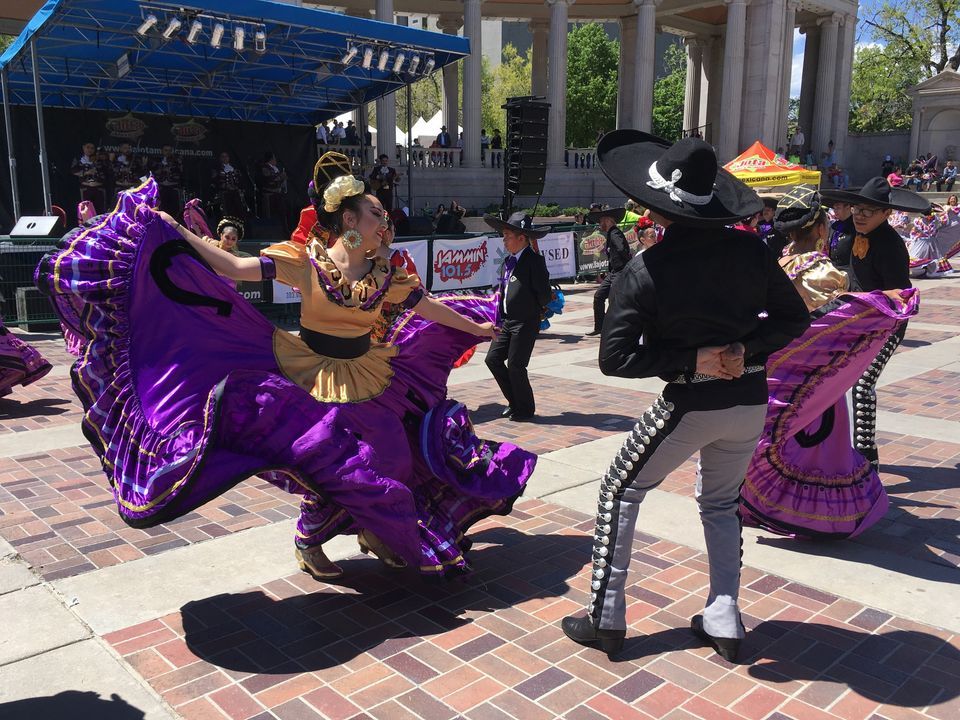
pixel 905 668
pixel 377 611
pixel 71 705
pixel 10 409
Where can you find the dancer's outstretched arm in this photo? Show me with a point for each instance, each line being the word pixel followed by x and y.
pixel 224 263
pixel 436 311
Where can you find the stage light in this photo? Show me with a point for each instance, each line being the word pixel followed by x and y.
pixel 349 55
pixel 172 28
pixel 238 35
pixel 414 64
pixel 196 27
pixel 367 58
pixel 148 22
pixel 216 37
pixel 384 59
pixel 398 63
pixel 428 66
pixel 260 41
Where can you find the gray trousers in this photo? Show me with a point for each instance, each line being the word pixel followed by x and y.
pixel 663 438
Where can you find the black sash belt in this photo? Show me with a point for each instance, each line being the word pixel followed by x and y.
pixel 336 347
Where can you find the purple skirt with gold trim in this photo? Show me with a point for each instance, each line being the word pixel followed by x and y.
pixel 20 362
pixel 806 478
pixel 183 398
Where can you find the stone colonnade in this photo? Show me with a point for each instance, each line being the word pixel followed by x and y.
pixel 738 75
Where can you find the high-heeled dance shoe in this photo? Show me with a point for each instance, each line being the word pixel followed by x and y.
pixel 581 630
pixel 314 561
pixel 727 648
pixel 370 543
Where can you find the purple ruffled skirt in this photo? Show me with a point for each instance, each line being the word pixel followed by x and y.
pixel 183 399
pixel 20 363
pixel 806 478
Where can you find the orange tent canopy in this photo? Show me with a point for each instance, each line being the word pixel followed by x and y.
pixel 759 166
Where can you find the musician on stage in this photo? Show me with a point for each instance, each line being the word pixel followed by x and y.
pixel 273 191
pixel 168 171
pixel 228 188
pixel 127 169
pixel 94 175
pixel 384 179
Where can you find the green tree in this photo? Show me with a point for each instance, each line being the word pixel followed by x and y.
pixel 592 60
pixel 668 94
pixel 6 41
pixel 510 79
pixel 879 100
pixel 919 33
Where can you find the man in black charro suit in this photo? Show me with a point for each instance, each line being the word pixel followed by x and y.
pixel 524 292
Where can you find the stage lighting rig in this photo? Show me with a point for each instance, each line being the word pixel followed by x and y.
pixel 216 37
pixel 196 27
pixel 238 36
pixel 172 27
pixel 148 23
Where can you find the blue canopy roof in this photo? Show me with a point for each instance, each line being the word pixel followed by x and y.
pixel 96 54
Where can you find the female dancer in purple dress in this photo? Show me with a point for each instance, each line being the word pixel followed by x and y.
pixel 188 389
pixel 806 478
pixel 20 363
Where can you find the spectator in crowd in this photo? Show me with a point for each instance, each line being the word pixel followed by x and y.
pixel 323 134
pixel 443 138
pixel 895 178
pixel 948 177
pixel 351 137
pixel 798 141
pixel 888 166
pixel 484 144
pixel 838 177
pixel 339 132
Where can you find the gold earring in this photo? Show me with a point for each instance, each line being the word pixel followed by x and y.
pixel 351 239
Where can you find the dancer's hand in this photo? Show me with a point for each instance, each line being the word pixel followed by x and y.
pixel 487 330
pixel 710 362
pixel 732 359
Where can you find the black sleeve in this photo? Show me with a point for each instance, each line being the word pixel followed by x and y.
pixel 631 313
pixel 540 278
pixel 893 265
pixel 787 317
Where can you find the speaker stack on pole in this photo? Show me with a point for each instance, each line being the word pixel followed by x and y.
pixel 525 152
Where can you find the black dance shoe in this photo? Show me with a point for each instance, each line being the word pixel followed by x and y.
pixel 507 412
pixel 593 333
pixel 581 630
pixel 727 648
pixel 517 417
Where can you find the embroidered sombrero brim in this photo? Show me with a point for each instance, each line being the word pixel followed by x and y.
pixel 625 157
pixel 876 192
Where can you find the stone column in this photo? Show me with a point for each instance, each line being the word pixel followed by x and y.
pixel 471 84
pixel 915 131
pixel 808 81
pixel 386 106
pixel 841 106
pixel 761 75
pixel 711 87
pixel 627 71
pixel 645 61
pixel 450 24
pixel 691 94
pixel 538 80
pixel 732 97
pixel 557 82
pixel 786 79
pixel 826 77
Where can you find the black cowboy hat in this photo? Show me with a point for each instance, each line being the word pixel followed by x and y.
pixel 878 193
pixel 518 222
pixel 681 181
pixel 615 213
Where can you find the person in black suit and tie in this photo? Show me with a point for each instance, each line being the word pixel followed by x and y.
pixel 524 292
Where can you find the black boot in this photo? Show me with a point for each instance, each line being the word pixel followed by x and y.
pixel 727 648
pixel 599 309
pixel 581 630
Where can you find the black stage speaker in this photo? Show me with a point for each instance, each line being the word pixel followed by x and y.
pixel 417 225
pixel 40 226
pixel 525 161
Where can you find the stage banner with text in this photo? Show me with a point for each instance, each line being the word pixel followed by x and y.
pixel 559 252
pixel 284 294
pixel 466 263
pixel 591 258
pixel 419 251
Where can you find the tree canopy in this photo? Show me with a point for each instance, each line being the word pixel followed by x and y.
pixel 592 60
pixel 879 100
pixel 668 94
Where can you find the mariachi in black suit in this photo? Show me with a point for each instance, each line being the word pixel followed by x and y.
pixel 521 304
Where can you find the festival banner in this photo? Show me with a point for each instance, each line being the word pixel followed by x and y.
pixel 591 258
pixel 284 294
pixel 558 250
pixel 466 263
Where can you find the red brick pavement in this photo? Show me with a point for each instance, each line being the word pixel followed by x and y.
pixel 934 394
pixel 384 645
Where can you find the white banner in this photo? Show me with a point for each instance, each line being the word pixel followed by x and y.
pixel 466 263
pixel 419 251
pixel 559 252
pixel 284 294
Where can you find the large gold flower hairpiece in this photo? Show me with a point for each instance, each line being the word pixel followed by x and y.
pixel 343 187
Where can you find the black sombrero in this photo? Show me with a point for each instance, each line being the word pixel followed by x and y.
pixel 681 181
pixel 615 213
pixel 518 222
pixel 878 193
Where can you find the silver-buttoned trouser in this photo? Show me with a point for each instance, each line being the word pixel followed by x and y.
pixel 663 438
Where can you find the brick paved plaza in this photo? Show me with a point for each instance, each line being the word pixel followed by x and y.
pixel 207 617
